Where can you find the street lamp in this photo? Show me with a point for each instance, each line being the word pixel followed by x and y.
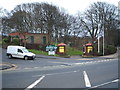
pixel 103 36
pixel 98 44
pixel 98 39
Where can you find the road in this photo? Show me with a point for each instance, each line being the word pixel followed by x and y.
pixel 84 73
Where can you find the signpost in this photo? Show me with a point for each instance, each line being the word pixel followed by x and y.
pixel 51 52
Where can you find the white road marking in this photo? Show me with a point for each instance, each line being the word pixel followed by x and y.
pixel 87 81
pixel 74 71
pixel 36 67
pixel 102 60
pixel 78 63
pixel 35 83
pixel 27 68
pixel 56 73
pixel 81 63
pixel 114 81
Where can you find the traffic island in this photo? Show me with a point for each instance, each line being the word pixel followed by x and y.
pixel 7 66
pixel 64 55
pixel 88 56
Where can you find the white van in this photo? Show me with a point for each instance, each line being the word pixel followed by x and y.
pixel 19 52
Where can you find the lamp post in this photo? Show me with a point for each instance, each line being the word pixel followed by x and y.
pixel 103 36
pixel 98 39
pixel 98 44
pixel 103 42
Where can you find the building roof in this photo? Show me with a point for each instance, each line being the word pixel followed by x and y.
pixel 88 44
pixel 22 35
pixel 62 44
pixel 13 34
pixel 17 33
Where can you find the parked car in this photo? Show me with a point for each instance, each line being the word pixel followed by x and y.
pixel 19 52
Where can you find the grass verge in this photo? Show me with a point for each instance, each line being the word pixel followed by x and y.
pixel 0 42
pixel 69 52
pixel 38 52
pixel 73 51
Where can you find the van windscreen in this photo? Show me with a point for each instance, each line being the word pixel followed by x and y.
pixel 25 50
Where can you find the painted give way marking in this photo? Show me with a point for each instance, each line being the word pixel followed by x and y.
pixel 87 81
pixel 35 83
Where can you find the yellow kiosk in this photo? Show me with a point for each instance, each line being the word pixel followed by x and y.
pixel 61 48
pixel 88 48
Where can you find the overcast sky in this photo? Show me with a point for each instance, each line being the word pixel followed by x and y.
pixel 71 6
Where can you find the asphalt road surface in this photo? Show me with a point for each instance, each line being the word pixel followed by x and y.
pixel 85 73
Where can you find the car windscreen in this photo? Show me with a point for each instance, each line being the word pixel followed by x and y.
pixel 25 50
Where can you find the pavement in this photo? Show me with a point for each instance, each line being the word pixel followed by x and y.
pixel 111 56
pixel 47 57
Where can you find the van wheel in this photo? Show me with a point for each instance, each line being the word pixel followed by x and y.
pixel 9 56
pixel 26 58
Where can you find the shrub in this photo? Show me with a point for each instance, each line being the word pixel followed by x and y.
pixel 16 41
pixel 108 49
pixel 42 47
pixel 6 40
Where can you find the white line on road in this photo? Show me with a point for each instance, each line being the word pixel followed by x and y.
pixel 56 73
pixel 114 81
pixel 35 83
pixel 87 81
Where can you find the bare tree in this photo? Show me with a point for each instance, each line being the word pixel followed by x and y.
pixel 100 15
pixel 4 16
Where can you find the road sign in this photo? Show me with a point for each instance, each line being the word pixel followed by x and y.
pixel 51 49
